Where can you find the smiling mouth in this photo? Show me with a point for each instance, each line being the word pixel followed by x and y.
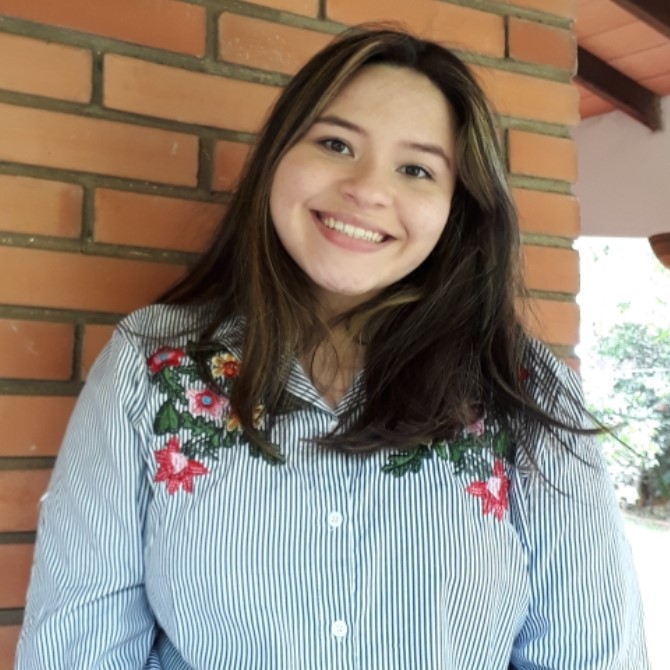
pixel 352 231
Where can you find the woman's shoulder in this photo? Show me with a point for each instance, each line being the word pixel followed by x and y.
pixel 155 331
pixel 168 323
pixel 159 325
pixel 550 382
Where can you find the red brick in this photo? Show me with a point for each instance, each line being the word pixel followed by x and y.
pixel 467 29
pixel 82 282
pixel 545 45
pixel 547 213
pixel 460 27
pixel 53 139
pixel 20 491
pixel 305 7
pixel 40 207
pixel 165 24
pixel 551 269
pixel 190 97
pixel 95 338
pixel 416 15
pixel 565 8
pixel 35 350
pixel 9 637
pixel 52 70
pixel 154 221
pixel 33 425
pixel 229 160
pixel 266 45
pixel 526 97
pixel 553 321
pixel 15 563
pixel 542 155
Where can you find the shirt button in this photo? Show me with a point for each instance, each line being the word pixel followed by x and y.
pixel 335 519
pixel 339 629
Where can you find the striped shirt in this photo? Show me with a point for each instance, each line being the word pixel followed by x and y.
pixel 163 544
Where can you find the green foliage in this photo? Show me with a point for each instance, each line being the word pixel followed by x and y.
pixel 635 360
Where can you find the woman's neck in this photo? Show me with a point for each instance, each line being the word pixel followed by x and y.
pixel 333 365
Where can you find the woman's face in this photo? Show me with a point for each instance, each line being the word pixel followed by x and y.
pixel 362 199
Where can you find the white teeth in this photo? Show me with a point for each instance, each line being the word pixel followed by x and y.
pixel 352 231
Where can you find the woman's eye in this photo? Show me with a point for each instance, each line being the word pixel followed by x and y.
pixel 336 146
pixel 416 171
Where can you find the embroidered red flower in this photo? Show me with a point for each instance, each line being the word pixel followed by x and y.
pixel 176 469
pixel 523 374
pixel 492 492
pixel 165 357
pixel 225 365
pixel 207 403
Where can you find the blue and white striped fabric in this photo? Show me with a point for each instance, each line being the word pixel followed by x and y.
pixel 325 562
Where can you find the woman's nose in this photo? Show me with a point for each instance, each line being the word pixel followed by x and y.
pixel 367 185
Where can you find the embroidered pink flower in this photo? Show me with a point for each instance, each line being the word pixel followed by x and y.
pixel 176 469
pixel 225 365
pixel 207 403
pixel 476 428
pixel 492 492
pixel 165 357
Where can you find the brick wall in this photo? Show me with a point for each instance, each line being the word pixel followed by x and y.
pixel 123 126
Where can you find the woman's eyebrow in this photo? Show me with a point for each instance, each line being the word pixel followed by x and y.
pixel 434 149
pixel 426 147
pixel 339 121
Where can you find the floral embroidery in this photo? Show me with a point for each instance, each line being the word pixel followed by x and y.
pixel 225 365
pixel 210 424
pixel 468 454
pixel 204 415
pixel 233 421
pixel 207 403
pixel 476 428
pixel 524 374
pixel 176 469
pixel 165 357
pixel 493 491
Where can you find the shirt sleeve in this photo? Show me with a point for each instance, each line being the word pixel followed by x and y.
pixel 585 610
pixel 86 604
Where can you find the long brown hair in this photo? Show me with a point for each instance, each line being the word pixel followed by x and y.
pixel 440 343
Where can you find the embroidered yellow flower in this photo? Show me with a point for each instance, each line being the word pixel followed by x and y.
pixel 233 421
pixel 225 365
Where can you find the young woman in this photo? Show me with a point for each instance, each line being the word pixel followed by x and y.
pixel 332 445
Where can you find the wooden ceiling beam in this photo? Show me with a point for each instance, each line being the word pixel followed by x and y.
pixel 618 89
pixel 655 13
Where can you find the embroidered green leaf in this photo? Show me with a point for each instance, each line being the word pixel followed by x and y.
pixel 255 452
pixel 457 451
pixel 168 382
pixel 199 424
pixel 501 444
pixel 167 419
pixel 408 461
pixel 191 371
pixel 201 447
pixel 229 438
pixel 217 440
pixel 442 450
